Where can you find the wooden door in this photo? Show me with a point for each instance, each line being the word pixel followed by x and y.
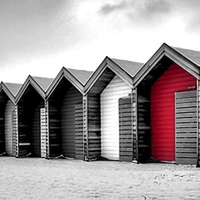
pixel 186 127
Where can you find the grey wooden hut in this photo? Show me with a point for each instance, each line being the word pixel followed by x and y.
pixel 168 102
pixel 65 116
pixel 8 93
pixel 109 120
pixel 31 119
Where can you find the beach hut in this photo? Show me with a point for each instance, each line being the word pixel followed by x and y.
pixel 167 91
pixel 8 93
pixel 109 114
pixel 65 115
pixel 31 120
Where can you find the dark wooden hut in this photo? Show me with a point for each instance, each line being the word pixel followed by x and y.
pixel 109 111
pixel 167 99
pixel 31 120
pixel 8 93
pixel 65 114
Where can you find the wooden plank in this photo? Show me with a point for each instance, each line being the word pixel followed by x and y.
pixel 125 122
pixel 186 127
pixel 186 94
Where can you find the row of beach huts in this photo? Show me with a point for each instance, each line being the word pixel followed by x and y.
pixel 125 111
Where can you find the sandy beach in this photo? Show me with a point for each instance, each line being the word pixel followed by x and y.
pixel 37 178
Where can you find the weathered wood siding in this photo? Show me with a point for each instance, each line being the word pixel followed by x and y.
pixel 54 120
pixel 110 117
pixel 198 122
pixel 29 130
pixel 93 142
pixel 2 135
pixel 79 140
pixel 186 127
pixel 36 130
pixel 24 137
pixel 9 107
pixel 174 79
pixel 70 99
pixel 143 123
pixel 43 132
pixel 15 131
pixel 126 127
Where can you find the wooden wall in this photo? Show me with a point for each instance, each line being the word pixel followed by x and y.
pixel 15 131
pixel 79 139
pixel 24 141
pixel 70 99
pixel 127 136
pixel 65 121
pixel 198 123
pixel 36 129
pixel 29 130
pixel 43 131
pixel 94 132
pixel 2 135
pixel 143 123
pixel 9 107
pixel 54 121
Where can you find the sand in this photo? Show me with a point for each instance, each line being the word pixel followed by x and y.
pixel 37 178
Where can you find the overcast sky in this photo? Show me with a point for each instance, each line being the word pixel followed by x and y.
pixel 38 37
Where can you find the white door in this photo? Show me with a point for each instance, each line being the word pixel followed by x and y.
pixel 116 89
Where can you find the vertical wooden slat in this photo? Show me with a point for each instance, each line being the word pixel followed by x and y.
pixel 43 132
pixel 47 128
pixel 85 126
pixel 135 125
pixel 15 132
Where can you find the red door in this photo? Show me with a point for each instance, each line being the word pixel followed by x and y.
pixel 175 79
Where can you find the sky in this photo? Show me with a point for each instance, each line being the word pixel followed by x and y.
pixel 39 37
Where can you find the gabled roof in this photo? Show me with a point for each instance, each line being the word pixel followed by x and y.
pixel 187 59
pixel 80 75
pixel 76 77
pixel 193 56
pixel 40 84
pixel 126 70
pixel 129 66
pixel 11 89
pixel 43 82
